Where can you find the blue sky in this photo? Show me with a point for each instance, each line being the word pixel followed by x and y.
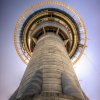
pixel 12 68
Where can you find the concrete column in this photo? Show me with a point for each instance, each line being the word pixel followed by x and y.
pixel 50 70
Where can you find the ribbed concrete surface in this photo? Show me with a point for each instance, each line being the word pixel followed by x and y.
pixel 49 71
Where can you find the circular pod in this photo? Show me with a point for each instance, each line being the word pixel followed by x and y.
pixel 46 17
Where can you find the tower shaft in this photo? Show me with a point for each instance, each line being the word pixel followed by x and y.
pixel 49 74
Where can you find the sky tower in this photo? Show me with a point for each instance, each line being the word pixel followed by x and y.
pixel 49 37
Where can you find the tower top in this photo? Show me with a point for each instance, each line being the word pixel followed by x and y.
pixel 46 17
